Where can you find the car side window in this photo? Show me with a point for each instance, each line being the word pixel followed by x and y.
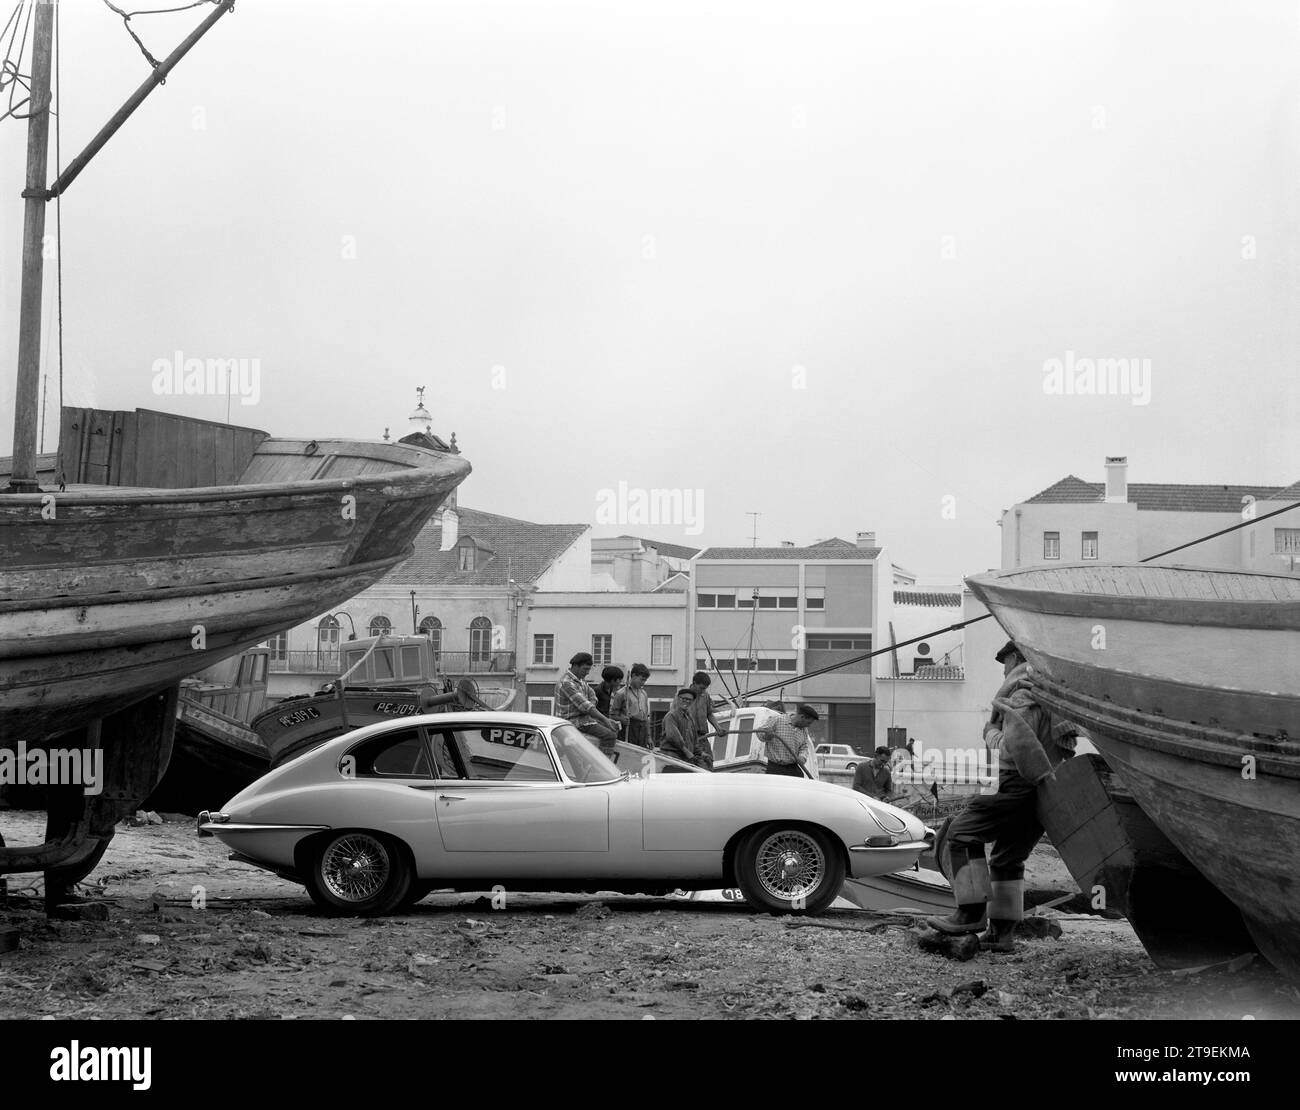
pixel 500 754
pixel 446 762
pixel 399 754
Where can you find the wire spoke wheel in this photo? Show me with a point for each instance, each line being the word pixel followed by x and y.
pixel 790 864
pixel 355 868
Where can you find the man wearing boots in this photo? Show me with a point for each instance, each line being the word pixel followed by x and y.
pixel 1029 745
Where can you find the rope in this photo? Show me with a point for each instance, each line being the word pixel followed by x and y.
pixel 986 616
pixel 9 71
pixel 127 16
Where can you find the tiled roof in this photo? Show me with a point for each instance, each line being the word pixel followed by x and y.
pixel 931 598
pixel 672 550
pixel 520 549
pixel 1167 497
pixel 1291 493
pixel 834 541
pixel 816 551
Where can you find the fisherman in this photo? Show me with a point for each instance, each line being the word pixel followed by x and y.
pixel 576 703
pixel 873 777
pixel 787 743
pixel 680 739
pixel 702 708
pixel 630 707
pixel 1029 744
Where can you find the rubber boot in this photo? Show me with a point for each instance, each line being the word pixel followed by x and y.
pixel 1006 908
pixel 970 889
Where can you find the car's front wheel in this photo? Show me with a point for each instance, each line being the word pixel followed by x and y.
pixel 358 873
pixel 789 869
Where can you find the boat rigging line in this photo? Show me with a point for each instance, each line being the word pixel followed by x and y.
pixel 985 616
pixel 11 68
pixel 126 22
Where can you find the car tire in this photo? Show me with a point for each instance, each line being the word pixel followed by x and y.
pixel 851 767
pixel 358 873
pixel 767 854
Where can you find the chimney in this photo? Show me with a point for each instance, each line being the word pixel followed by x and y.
pixel 787 543
pixel 450 528
pixel 866 539
pixel 1116 479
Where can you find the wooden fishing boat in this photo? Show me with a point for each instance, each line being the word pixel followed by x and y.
pixel 1188 681
pixel 383 677
pixel 111 592
pixel 153 546
pixel 215 752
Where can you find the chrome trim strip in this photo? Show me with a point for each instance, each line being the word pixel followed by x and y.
pixel 243 827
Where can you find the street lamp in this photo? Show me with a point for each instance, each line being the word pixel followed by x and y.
pixel 415 612
pixel 341 613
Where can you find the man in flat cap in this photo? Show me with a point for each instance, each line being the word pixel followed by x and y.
pixel 575 701
pixel 1029 743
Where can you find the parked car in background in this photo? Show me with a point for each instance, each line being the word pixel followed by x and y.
pixel 837 757
pixel 373 820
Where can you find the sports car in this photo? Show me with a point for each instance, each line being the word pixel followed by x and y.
pixel 372 821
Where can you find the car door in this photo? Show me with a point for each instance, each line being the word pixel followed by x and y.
pixel 510 801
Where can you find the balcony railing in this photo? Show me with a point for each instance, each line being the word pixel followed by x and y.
pixel 448 662
pixel 306 662
pixel 475 662
pixel 942 674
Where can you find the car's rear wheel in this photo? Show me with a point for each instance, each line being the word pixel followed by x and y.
pixel 850 766
pixel 785 868
pixel 358 873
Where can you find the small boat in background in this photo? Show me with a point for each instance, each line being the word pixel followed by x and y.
pixel 394 676
pixel 1188 681
pixel 214 749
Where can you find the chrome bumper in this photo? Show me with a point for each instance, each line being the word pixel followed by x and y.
pixel 906 847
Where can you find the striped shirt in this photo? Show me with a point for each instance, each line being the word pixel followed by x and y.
pixel 787 743
pixel 574 700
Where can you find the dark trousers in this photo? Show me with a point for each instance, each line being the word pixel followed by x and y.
pixel 1008 820
pixel 791 769
pixel 638 732
pixel 603 736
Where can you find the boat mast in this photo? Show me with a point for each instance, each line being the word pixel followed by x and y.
pixel 22 479
pixel 26 401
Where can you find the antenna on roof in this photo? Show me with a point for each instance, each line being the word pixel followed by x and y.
pixel 755 516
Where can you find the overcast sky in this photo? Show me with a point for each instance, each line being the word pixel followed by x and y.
pixel 810 259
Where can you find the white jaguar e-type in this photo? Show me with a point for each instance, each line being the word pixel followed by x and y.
pixel 374 820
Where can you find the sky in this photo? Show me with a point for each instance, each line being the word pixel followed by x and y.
pixel 838 264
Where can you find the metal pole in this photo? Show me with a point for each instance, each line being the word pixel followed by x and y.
pixel 23 476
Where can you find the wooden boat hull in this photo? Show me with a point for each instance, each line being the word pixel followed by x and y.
pixel 300 724
pixel 109 594
pixel 1122 861
pixel 213 755
pixel 1188 681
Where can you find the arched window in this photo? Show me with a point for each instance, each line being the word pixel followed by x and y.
pixel 480 643
pixel 380 625
pixel 432 627
pixel 327 644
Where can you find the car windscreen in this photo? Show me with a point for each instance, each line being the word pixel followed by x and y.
pixel 581 758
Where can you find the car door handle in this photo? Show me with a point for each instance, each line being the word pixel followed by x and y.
pixel 451 797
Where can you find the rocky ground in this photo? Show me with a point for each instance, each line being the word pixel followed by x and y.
pixel 257 947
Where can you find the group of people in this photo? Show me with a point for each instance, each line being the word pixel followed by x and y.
pixel 1030 743
pixel 610 711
